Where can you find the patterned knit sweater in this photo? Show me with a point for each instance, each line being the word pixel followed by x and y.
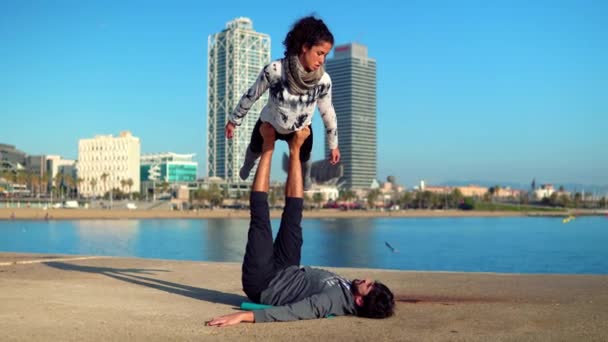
pixel 287 112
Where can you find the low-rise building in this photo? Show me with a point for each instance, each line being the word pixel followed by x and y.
pixel 172 168
pixel 472 190
pixel 104 161
pixel 545 190
pixel 328 192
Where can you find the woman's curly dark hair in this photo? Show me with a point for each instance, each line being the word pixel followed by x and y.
pixel 378 303
pixel 308 31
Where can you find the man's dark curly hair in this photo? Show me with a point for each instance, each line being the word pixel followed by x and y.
pixel 308 31
pixel 379 303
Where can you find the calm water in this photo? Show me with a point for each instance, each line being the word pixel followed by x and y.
pixel 511 245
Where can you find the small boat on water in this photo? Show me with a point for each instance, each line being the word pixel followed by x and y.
pixel 568 219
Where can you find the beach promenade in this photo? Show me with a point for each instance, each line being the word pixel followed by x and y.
pixel 80 298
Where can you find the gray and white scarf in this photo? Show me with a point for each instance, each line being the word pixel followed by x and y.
pixel 299 80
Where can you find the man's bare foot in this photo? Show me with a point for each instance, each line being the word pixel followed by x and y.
pixel 269 135
pixel 299 137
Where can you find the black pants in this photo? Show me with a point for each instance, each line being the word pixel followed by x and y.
pixel 263 259
pixel 256 142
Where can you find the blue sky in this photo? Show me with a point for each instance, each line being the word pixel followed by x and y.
pixel 486 90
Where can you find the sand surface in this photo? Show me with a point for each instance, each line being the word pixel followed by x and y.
pixel 76 298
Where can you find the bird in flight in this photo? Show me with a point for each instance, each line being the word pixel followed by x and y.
pixel 391 247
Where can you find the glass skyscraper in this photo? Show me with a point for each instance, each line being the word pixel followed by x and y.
pixel 353 75
pixel 236 57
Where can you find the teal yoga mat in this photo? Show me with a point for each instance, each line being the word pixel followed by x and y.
pixel 254 306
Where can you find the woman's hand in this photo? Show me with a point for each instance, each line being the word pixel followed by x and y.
pixel 334 157
pixel 229 129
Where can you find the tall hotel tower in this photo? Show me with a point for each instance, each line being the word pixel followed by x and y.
pixel 353 76
pixel 236 57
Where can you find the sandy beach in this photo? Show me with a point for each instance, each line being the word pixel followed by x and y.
pixel 89 298
pixel 77 214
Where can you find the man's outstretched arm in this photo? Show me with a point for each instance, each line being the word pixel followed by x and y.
pixel 316 306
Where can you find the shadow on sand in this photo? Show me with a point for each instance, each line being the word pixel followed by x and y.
pixel 129 275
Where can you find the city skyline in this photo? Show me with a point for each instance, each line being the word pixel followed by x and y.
pixel 35 164
pixel 504 93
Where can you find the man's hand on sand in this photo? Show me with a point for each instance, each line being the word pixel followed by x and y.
pixel 299 137
pixel 232 319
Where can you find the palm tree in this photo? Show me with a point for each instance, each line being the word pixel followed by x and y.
pixel 129 185
pixel 524 198
pixel 372 196
pixel 307 201
pixel 497 189
pixel 351 196
pixel 69 181
pixel 490 193
pixel 578 198
pixel 424 199
pixel 29 179
pixel 5 174
pixel 564 200
pixel 215 195
pixel 15 176
pixel 123 184
pixel 36 180
pixel 79 181
pixel 554 199
pixel 237 198
pixel 45 180
pixel 347 196
pixel 272 197
pixel 202 195
pixel 602 202
pixel 456 198
pixel 57 180
pixel 435 200
pixel 93 183
pixel 317 198
pixel 164 186
pixel 104 180
pixel 406 200
pixel 21 177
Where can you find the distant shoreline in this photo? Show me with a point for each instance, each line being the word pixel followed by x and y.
pixel 100 214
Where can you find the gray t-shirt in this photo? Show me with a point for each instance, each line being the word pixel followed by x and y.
pixel 285 111
pixel 305 293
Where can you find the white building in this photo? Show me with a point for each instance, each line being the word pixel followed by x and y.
pixel 56 164
pixel 328 193
pixel 105 160
pixel 545 190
